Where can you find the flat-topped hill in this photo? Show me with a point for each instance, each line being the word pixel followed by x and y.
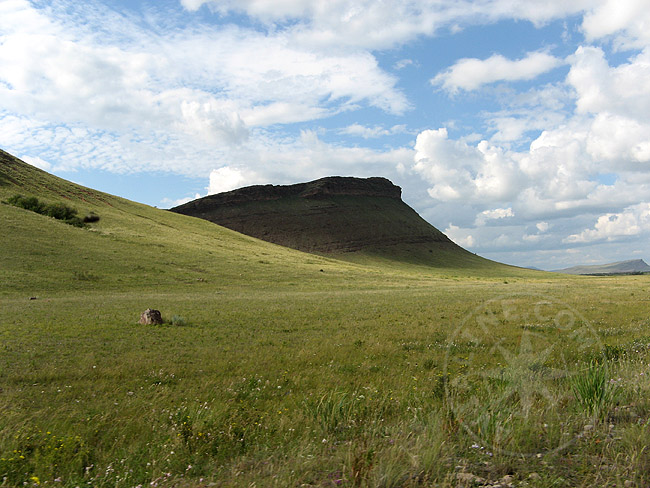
pixel 619 267
pixel 342 216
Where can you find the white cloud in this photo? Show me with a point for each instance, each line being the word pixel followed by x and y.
pixel 626 20
pixel 227 178
pixel 38 162
pixel 378 25
pixel 212 123
pixel 462 237
pixel 621 90
pixel 192 5
pixel 531 111
pixel 148 80
pixel 633 221
pixel 372 132
pixel 403 63
pixel 494 214
pixel 533 238
pixel 542 226
pixel 471 73
pixel 459 171
pixel 168 203
pixel 282 113
pixel 555 178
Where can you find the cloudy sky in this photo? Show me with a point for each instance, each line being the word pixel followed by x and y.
pixel 520 128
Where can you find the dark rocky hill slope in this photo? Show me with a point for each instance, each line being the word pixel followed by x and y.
pixel 333 215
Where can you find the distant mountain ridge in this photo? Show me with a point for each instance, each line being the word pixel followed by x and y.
pixel 334 215
pixel 620 267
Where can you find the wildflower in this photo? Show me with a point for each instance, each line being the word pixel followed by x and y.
pixel 35 479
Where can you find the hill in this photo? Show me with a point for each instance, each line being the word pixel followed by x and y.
pixel 620 267
pixel 351 218
pixel 133 245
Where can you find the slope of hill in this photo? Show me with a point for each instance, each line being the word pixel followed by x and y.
pixel 133 245
pixel 351 218
pixel 620 267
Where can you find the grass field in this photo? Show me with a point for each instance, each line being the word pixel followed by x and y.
pixel 288 369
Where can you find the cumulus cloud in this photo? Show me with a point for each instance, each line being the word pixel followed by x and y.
pixel 211 123
pixel 633 221
pixel 471 73
pixel 495 214
pixel 625 20
pixel 462 237
pixel 459 171
pixel 226 179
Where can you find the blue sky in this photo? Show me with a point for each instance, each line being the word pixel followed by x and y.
pixel 520 129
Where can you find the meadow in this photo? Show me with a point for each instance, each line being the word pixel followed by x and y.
pixel 279 368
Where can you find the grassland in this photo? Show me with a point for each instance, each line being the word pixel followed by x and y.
pixel 298 370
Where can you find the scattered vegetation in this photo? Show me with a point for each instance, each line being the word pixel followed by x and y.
pixel 58 211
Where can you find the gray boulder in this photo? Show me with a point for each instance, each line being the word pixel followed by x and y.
pixel 151 317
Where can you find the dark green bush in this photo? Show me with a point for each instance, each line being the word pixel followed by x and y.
pixel 90 218
pixel 58 211
pixel 28 203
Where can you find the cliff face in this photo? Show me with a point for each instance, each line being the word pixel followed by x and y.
pixel 329 215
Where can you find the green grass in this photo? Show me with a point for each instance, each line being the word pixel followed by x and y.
pixel 373 373
pixel 594 389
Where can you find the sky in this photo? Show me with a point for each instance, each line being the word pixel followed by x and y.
pixel 519 128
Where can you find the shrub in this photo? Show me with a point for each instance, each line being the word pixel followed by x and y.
pixel 90 218
pixel 57 211
pixel 593 389
pixel 178 320
pixel 60 211
pixel 28 203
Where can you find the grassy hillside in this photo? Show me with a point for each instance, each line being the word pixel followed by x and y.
pixel 280 374
pixel 134 245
